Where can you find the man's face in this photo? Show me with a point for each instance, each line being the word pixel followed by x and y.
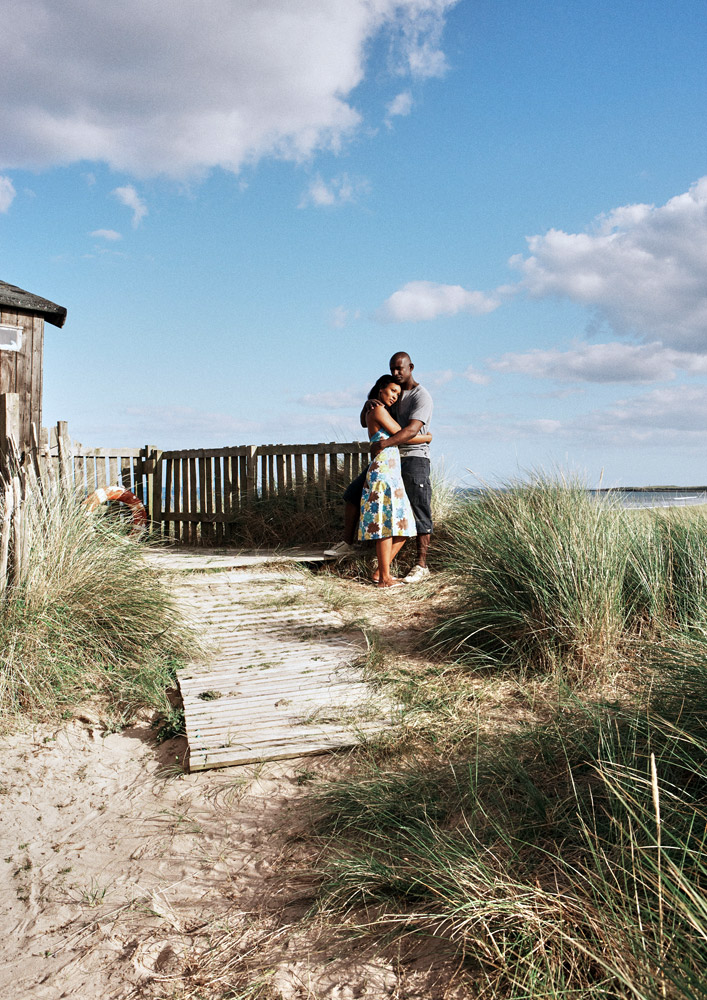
pixel 400 368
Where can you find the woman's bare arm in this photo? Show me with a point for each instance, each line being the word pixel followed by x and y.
pixel 379 418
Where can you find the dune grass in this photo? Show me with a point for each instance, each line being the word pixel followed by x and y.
pixel 551 579
pixel 87 616
pixel 563 857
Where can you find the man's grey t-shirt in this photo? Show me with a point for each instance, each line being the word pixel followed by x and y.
pixel 414 404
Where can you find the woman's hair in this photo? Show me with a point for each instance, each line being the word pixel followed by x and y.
pixel 381 383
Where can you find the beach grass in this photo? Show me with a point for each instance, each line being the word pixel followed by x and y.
pixel 560 849
pixel 550 579
pixel 86 617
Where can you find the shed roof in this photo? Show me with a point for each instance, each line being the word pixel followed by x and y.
pixel 16 298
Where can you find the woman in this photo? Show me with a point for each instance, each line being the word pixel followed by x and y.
pixel 386 514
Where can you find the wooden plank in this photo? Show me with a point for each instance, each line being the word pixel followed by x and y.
pixel 281 479
pixel 175 500
pixel 186 486
pixel 218 499
pixel 204 496
pixel 272 488
pixel 101 477
pixel 23 375
pixel 193 498
pixel 36 365
pixel 168 488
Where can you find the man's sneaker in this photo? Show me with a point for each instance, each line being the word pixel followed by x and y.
pixel 342 550
pixel 416 574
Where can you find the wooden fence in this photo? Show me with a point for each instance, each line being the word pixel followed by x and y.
pixel 195 497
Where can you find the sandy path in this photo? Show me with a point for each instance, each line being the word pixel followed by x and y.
pixel 121 876
pixel 112 865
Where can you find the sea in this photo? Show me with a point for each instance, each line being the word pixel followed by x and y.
pixel 639 496
pixel 653 496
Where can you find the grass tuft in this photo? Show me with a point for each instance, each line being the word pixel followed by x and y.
pixel 86 617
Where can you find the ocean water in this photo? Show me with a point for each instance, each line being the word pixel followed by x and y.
pixel 632 496
pixel 667 496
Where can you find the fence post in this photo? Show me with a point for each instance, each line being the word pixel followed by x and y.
pixel 251 472
pixel 9 427
pixel 154 487
pixel 65 453
pixel 5 528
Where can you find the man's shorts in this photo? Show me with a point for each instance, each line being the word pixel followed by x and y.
pixel 416 478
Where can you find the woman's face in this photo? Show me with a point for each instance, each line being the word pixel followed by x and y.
pixel 389 394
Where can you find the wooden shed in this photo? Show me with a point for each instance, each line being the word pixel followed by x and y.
pixel 22 317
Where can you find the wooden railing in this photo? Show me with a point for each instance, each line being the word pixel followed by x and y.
pixel 194 496
pixel 199 495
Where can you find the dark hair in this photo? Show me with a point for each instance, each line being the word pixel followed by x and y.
pixel 381 383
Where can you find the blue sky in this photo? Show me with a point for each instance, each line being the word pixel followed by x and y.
pixel 247 205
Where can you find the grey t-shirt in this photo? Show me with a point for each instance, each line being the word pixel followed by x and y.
pixel 414 404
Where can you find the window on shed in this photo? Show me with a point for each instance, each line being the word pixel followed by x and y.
pixel 10 338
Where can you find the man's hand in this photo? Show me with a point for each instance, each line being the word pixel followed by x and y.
pixel 369 405
pixel 376 447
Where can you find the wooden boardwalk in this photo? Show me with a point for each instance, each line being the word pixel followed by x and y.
pixel 276 685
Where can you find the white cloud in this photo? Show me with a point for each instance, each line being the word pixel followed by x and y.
pixel 106 234
pixel 672 417
pixel 338 191
pixel 176 89
pixel 132 200
pixel 614 362
pixel 338 399
pixel 642 267
pixel 7 193
pixel 478 378
pixel 419 300
pixel 400 106
pixel 340 317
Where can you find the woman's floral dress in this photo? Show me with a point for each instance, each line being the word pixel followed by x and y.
pixel 385 508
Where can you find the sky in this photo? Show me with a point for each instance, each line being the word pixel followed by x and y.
pixel 247 206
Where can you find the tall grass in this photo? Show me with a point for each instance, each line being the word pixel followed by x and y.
pixel 551 579
pixel 86 616
pixel 564 859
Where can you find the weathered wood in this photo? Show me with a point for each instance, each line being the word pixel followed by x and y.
pixel 218 497
pixel 269 695
pixel 5 530
pixel 154 488
pixel 9 426
pixel 251 473
pixel 64 451
pixel 193 498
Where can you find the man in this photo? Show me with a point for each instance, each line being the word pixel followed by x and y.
pixel 413 411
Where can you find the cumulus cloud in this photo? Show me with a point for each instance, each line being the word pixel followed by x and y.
pixel 472 375
pixel 419 300
pixel 176 89
pixel 400 106
pixel 337 191
pixel 7 193
pixel 106 234
pixel 129 197
pixel 614 362
pixel 642 267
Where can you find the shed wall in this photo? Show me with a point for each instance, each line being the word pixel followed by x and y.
pixel 21 371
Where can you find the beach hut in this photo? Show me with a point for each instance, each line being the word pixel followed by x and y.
pixel 22 317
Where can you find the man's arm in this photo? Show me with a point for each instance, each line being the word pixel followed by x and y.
pixel 402 437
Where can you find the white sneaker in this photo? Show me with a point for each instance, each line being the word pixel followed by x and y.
pixel 416 574
pixel 342 550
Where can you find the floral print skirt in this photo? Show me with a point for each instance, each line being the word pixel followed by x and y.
pixel 385 508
